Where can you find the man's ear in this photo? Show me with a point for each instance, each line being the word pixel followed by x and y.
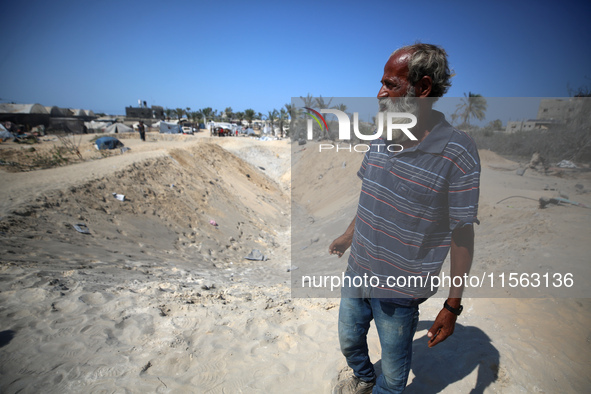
pixel 423 87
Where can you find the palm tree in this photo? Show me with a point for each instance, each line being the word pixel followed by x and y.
pixel 320 103
pixel 341 107
pixel 283 116
pixel 249 115
pixel 228 113
pixel 168 113
pixel 271 117
pixel 179 113
pixel 207 114
pixel 472 106
pixel 308 100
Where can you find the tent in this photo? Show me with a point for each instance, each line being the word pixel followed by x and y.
pixel 96 127
pixel 5 134
pixel 118 128
pixel 65 125
pixel 28 114
pixel 107 143
pixel 169 128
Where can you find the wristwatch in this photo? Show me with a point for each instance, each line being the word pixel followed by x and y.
pixel 455 311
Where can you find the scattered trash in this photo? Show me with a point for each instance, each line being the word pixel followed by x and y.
pixel 120 197
pixel 566 164
pixel 256 255
pixel 213 223
pixel 544 201
pixel 81 228
pixel 293 268
pixel 520 171
pixel 107 143
pixel 344 164
pixel 557 200
pixel 262 168
pixel 125 149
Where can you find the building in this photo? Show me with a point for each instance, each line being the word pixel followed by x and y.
pixel 551 113
pixel 143 112
pixel 561 110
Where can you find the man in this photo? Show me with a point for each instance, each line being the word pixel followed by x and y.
pixel 415 206
pixel 142 129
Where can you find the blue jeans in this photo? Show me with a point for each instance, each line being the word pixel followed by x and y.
pixel 396 326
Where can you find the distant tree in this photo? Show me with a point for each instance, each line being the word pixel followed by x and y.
pixel 283 117
pixel 292 113
pixel 341 107
pixel 194 116
pixel 228 113
pixel 207 114
pixel 495 125
pixel 581 91
pixel 240 116
pixel 472 106
pixel 249 115
pixel 321 103
pixel 168 113
pixel 179 113
pixel 308 100
pixel 272 116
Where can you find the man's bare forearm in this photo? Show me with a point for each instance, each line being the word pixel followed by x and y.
pixel 461 255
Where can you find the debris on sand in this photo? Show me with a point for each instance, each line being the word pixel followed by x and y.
pixel 81 228
pixel 256 255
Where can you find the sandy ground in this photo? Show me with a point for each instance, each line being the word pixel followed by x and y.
pixel 158 299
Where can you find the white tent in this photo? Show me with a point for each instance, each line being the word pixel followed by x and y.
pixel 96 127
pixel 118 128
pixel 169 128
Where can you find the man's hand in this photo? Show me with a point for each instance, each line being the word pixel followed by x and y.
pixel 340 245
pixel 442 328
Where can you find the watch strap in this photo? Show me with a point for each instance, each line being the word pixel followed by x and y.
pixel 455 311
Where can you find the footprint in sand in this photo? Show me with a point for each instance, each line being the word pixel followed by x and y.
pixel 93 299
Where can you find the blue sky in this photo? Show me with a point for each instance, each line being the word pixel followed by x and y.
pixel 105 55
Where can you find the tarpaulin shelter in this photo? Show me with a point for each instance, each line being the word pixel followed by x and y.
pixel 5 134
pixel 27 114
pixel 66 126
pixel 169 128
pixel 108 143
pixel 118 128
pixel 96 127
pixel 57 112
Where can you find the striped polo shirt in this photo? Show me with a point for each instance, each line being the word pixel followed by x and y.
pixel 409 205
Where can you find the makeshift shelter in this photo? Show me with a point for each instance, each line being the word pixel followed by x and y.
pixel 5 134
pixel 27 114
pixel 57 112
pixel 169 128
pixel 66 126
pixel 96 127
pixel 107 143
pixel 118 128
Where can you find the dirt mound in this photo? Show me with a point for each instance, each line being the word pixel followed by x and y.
pixel 169 206
pixel 495 161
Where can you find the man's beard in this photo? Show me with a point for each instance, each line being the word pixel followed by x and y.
pixel 407 103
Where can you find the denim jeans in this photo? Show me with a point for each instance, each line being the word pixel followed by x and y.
pixel 396 326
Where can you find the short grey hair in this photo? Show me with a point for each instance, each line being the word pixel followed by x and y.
pixel 428 60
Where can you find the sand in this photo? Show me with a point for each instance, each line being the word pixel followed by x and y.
pixel 157 299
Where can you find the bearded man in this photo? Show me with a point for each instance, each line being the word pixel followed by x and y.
pixel 416 205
